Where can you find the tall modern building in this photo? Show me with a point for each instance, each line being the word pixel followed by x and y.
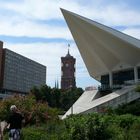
pixel 18 73
pixel 68 71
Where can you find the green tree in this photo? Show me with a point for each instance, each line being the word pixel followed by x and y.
pixel 56 97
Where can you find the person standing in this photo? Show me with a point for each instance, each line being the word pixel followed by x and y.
pixel 15 123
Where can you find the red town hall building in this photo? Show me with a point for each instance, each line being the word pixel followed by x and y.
pixel 68 72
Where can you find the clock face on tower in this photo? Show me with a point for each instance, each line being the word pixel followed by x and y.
pixel 67 64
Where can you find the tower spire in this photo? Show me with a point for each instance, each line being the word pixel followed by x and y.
pixel 68 54
pixel 55 84
pixel 68 49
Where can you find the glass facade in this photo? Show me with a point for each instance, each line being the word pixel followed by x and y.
pixel 105 79
pixel 21 73
pixel 120 77
pixel 138 72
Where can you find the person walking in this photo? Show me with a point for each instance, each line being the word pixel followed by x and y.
pixel 15 123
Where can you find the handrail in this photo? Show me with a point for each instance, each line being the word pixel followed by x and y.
pixel 126 83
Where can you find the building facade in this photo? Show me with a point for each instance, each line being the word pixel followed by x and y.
pixel 18 73
pixel 111 57
pixel 68 72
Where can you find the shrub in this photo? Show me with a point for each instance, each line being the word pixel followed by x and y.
pixel 87 127
pixel 102 127
pixel 33 133
pixel 34 112
pixel 130 108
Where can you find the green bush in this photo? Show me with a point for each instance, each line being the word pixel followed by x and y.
pixel 102 127
pixel 135 130
pixel 53 130
pixel 45 124
pixel 33 133
pixel 130 108
pixel 87 127
pixel 33 111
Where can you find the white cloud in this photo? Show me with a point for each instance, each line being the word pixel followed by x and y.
pixel 34 30
pixel 34 9
pixel 135 32
pixel 111 14
pixel 28 11
pixel 23 23
pixel 120 16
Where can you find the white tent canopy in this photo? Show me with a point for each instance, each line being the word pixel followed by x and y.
pixel 103 49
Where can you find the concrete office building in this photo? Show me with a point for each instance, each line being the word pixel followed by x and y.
pixel 18 73
pixel 111 57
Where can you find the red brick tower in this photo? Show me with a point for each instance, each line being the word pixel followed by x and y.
pixel 68 71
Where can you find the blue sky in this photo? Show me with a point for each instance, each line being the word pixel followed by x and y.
pixel 37 29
